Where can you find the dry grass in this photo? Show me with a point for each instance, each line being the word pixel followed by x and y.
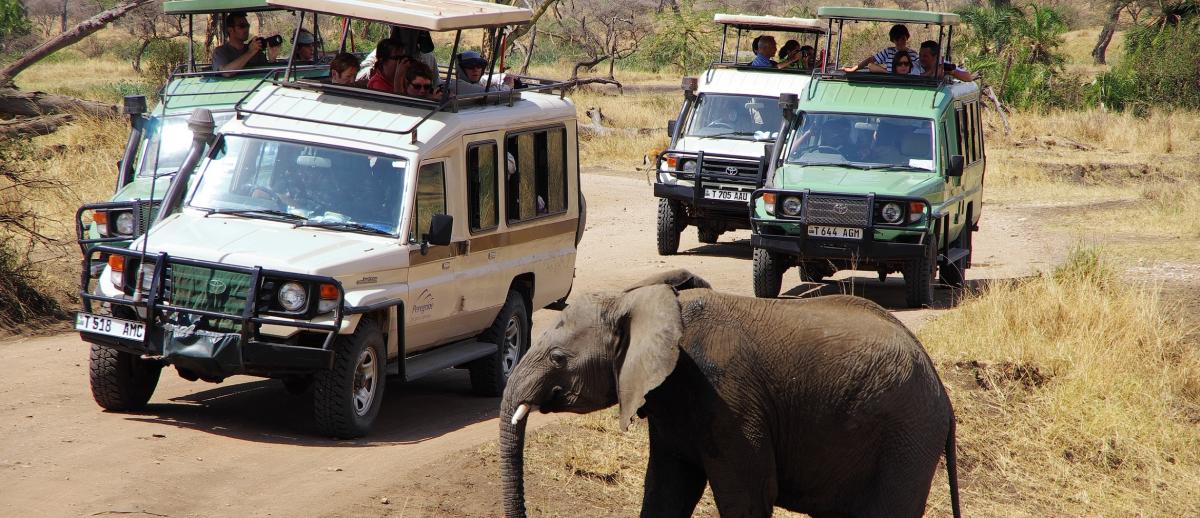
pixel 1094 399
pixel 619 149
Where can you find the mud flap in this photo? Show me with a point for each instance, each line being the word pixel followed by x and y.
pixel 212 356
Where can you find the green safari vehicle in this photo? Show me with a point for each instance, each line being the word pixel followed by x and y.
pixel 874 172
pixel 159 138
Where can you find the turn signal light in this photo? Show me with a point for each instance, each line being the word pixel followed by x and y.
pixel 916 210
pixel 329 292
pixel 117 263
pixel 100 217
pixel 672 162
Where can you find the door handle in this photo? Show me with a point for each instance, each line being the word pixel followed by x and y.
pixel 446 265
pixel 491 256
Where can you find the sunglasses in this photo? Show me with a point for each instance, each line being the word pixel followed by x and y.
pixel 904 64
pixel 424 87
pixel 472 67
pixel 243 25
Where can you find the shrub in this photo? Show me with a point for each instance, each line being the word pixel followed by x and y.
pixel 1159 65
pixel 161 57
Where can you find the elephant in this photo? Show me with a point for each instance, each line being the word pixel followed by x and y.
pixel 827 406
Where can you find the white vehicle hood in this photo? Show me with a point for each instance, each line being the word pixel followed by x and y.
pixel 273 245
pixel 723 146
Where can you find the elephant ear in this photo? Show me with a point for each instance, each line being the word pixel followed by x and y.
pixel 679 279
pixel 651 324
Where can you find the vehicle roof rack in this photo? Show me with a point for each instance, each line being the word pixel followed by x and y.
pixel 748 22
pixel 873 14
pixel 181 91
pixel 181 7
pixel 429 15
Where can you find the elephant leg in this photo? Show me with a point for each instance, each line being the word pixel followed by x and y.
pixel 744 485
pixel 673 485
pixel 901 485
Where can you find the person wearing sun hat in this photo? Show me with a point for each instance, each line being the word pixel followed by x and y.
pixel 306 47
pixel 471 67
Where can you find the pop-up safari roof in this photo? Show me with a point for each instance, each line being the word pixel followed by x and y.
pixel 747 22
pixel 429 15
pixel 177 7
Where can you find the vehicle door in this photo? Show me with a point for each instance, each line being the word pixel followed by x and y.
pixel 483 277
pixel 433 295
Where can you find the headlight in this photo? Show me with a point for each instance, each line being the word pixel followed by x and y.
pixel 292 296
pixel 891 213
pixel 689 166
pixel 791 206
pixel 100 218
pixel 125 223
pixel 147 272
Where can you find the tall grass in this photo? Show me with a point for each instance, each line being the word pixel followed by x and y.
pixel 1092 399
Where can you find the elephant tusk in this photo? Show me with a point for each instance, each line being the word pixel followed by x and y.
pixel 521 412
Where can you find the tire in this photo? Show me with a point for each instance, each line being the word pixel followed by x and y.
pixel 511 332
pixel 954 274
pixel 670 224
pixel 918 278
pixel 769 268
pixel 708 235
pixel 347 397
pixel 121 381
pixel 814 271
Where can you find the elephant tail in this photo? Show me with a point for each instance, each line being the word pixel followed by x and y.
pixel 952 468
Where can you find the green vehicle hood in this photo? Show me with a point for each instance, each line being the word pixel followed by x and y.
pixel 140 188
pixel 857 181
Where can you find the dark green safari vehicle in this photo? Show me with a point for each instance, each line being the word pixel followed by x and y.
pixel 874 172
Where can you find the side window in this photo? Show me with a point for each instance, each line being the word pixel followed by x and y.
pixel 945 145
pixel 482 187
pixel 979 152
pixel 430 199
pixel 960 127
pixel 536 174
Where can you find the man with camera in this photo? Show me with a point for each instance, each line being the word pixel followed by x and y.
pixel 240 51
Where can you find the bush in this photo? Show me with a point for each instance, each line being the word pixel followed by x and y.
pixel 1158 66
pixel 19 231
pixel 160 58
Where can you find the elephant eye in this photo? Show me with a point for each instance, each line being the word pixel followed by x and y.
pixel 558 357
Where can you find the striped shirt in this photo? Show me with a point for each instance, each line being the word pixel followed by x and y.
pixel 885 56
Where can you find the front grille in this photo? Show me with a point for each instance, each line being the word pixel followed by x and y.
pixel 207 289
pixel 731 171
pixel 837 210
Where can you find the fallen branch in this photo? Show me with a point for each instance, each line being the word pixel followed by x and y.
pixel 999 109
pixel 17 103
pixel 35 126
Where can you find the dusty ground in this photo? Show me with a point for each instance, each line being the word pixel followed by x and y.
pixel 247 448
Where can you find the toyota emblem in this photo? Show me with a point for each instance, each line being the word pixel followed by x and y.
pixel 216 286
pixel 840 209
pixel 731 170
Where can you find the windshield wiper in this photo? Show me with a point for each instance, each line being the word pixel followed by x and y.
pixel 898 167
pixel 344 225
pixel 272 213
pixel 728 134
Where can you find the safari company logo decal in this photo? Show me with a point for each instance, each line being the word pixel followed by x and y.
pixel 423 305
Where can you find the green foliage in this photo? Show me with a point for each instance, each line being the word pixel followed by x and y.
pixel 685 41
pixel 991 29
pixel 13 21
pixel 1041 31
pixel 1112 90
pixel 1159 63
pixel 161 57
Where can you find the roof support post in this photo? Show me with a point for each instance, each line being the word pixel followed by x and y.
pixel 191 46
pixel 497 36
pixel 287 74
pixel 837 60
pixel 737 46
pixel 724 37
pixel 346 34
pixel 828 44
pixel 453 61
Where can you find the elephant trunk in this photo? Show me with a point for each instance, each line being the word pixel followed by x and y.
pixel 512 458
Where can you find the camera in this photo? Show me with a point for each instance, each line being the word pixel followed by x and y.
pixel 271 41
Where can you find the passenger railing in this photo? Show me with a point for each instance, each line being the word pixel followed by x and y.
pixel 158 307
pixel 871 199
pixel 143 212
pixel 703 175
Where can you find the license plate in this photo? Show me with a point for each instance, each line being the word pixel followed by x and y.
pixel 726 195
pixel 110 326
pixel 834 232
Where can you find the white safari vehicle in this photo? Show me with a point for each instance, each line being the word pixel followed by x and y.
pixel 331 236
pixel 729 115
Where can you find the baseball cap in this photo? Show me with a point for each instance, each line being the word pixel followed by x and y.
pixel 305 38
pixel 471 57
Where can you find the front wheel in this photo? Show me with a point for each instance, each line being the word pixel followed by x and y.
pixel 769 268
pixel 918 277
pixel 347 398
pixel 511 333
pixel 708 235
pixel 670 224
pixel 121 381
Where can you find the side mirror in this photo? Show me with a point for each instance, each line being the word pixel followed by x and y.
pixel 439 230
pixel 672 125
pixel 788 103
pixel 955 167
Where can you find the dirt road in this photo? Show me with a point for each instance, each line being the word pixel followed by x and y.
pixel 247 448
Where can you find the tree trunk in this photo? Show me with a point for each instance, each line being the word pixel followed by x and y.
pixel 63 19
pixel 512 461
pixel 529 51
pixel 15 103
pixel 521 30
pixel 1106 33
pixel 67 38
pixel 35 126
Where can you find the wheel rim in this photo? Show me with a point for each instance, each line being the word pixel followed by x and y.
pixel 364 381
pixel 513 336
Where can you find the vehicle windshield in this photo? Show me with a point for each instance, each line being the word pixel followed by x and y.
pixel 862 141
pixel 309 185
pixel 165 143
pixel 734 116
